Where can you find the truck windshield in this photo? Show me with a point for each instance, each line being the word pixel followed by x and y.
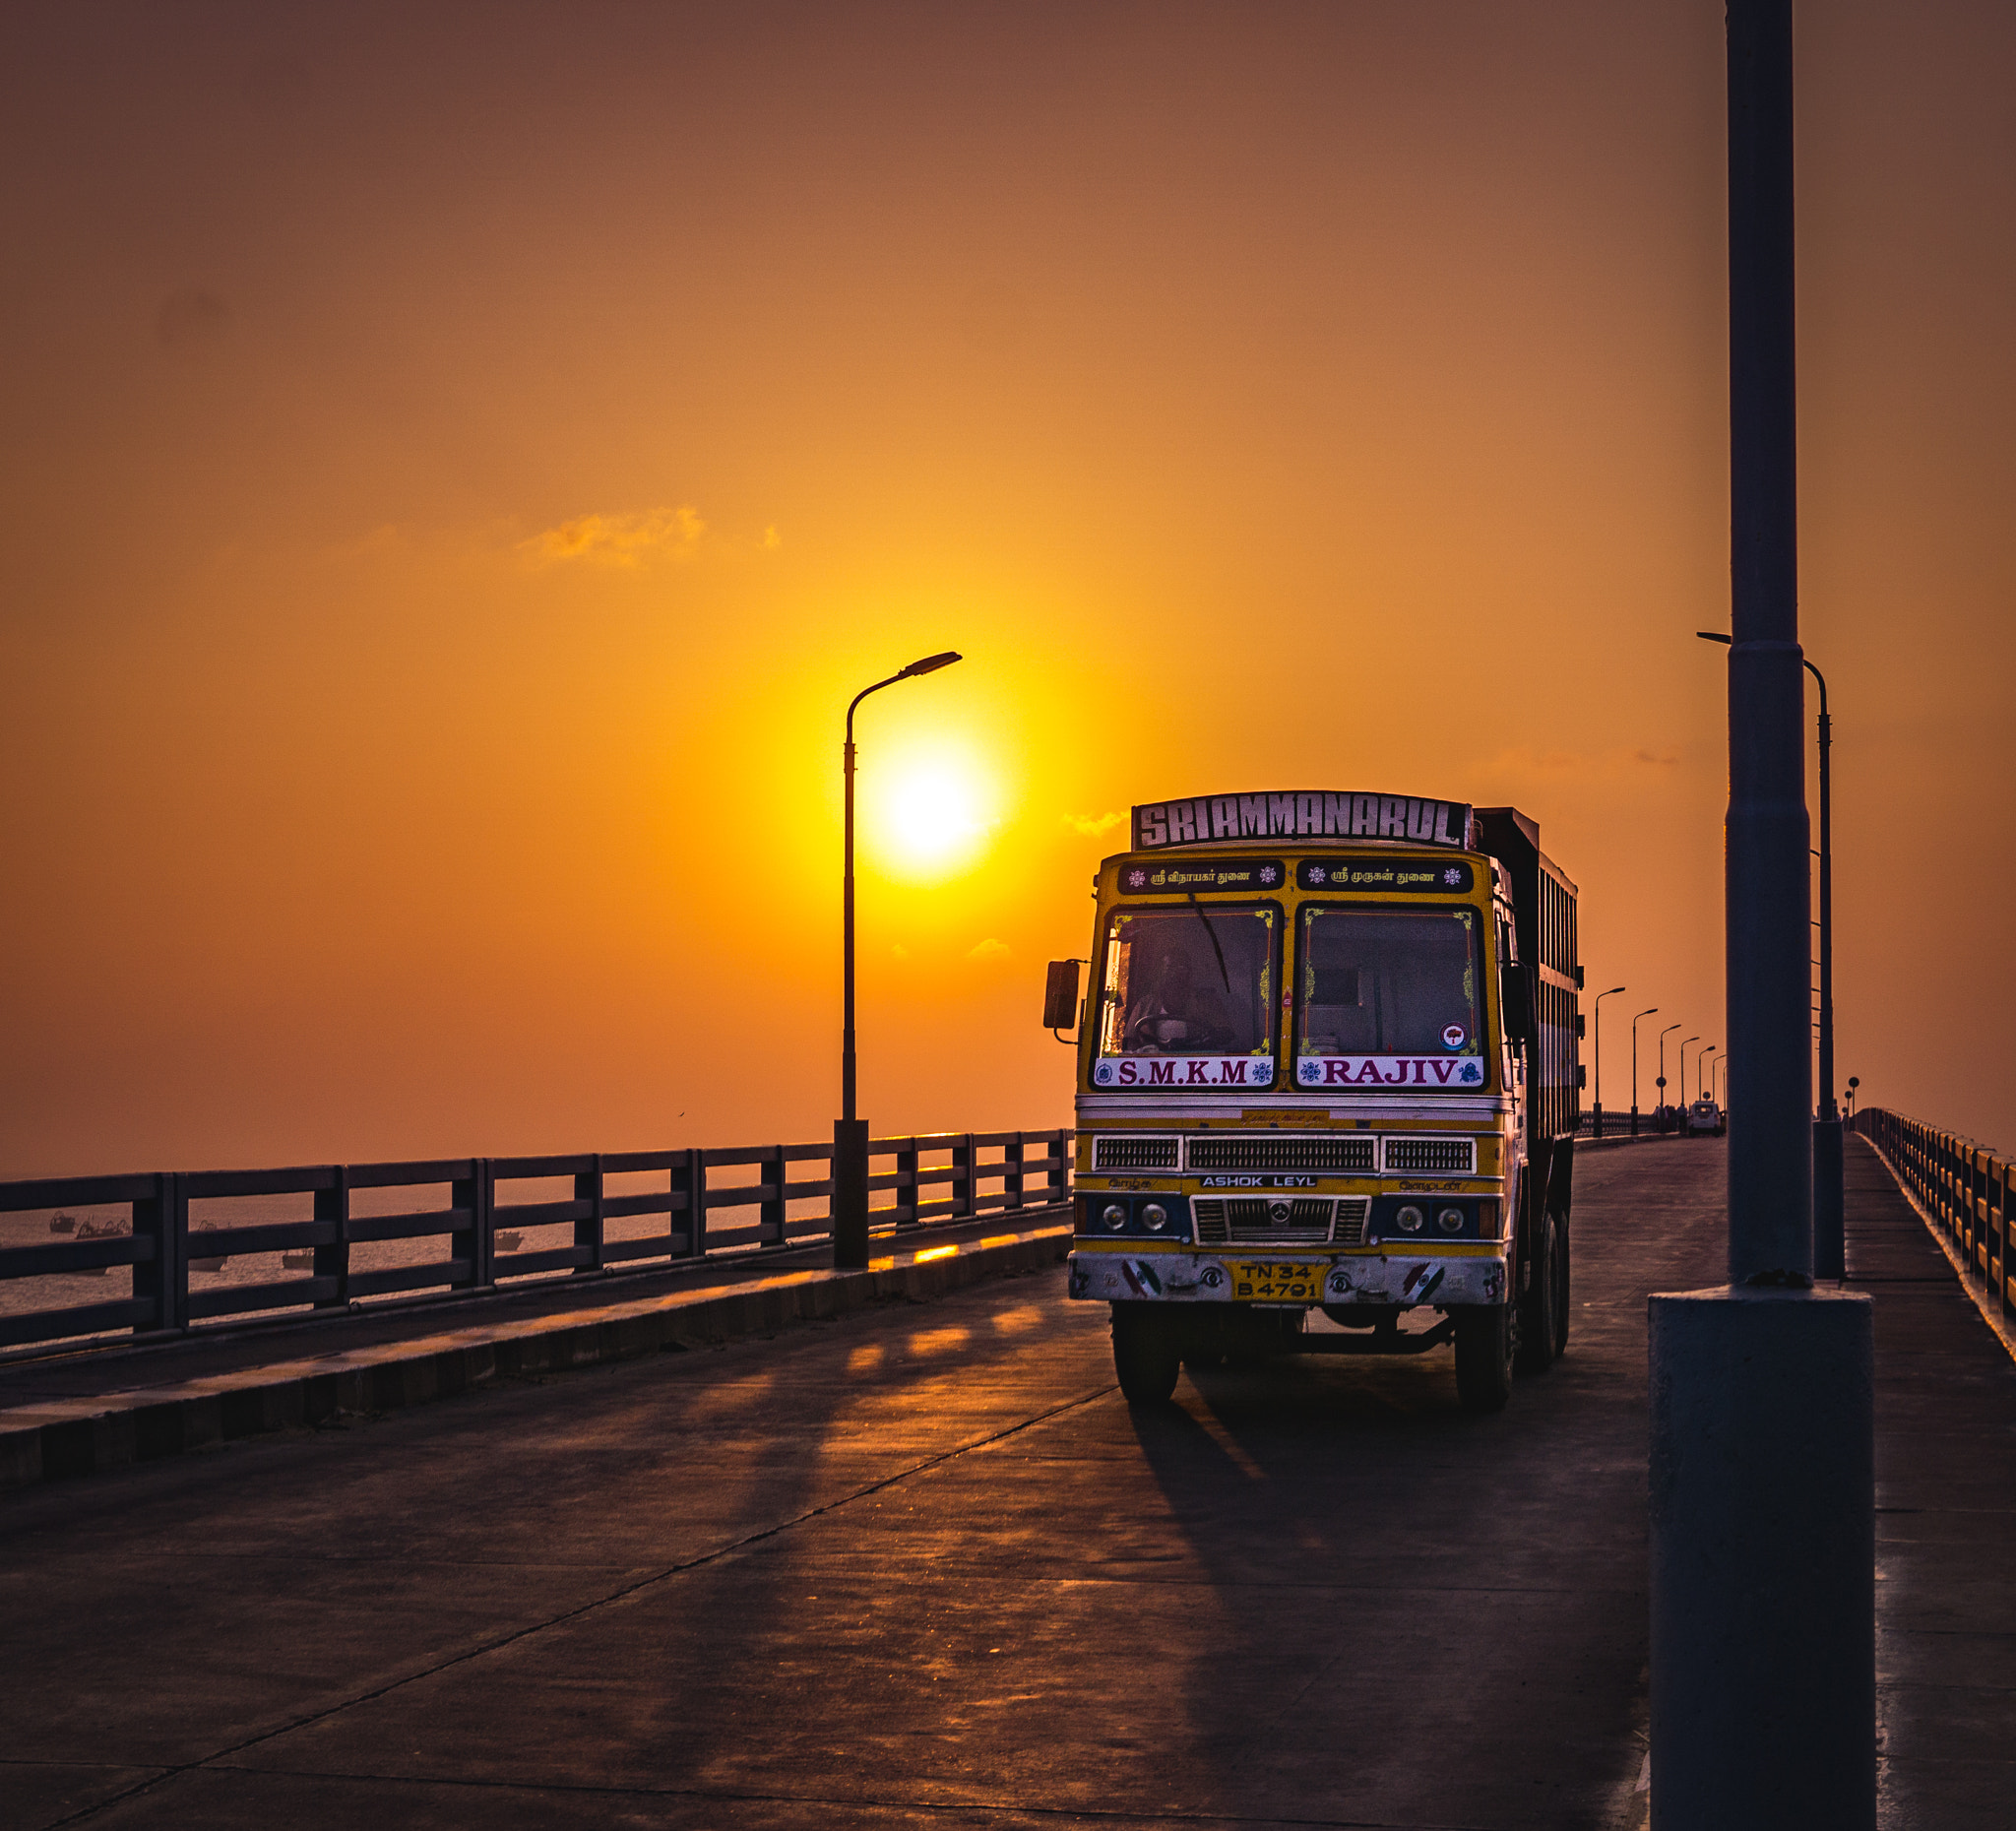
pixel 1390 982
pixel 1188 982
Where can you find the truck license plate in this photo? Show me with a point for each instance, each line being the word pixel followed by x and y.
pixel 1277 1284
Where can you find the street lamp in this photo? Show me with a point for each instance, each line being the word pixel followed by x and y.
pixel 849 1199
pixel 1829 1199
pixel 1853 1081
pixel 1702 1086
pixel 1650 1010
pixel 1663 1035
pixel 1696 1037
pixel 1600 997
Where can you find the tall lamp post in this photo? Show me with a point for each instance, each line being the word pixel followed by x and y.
pixel 1762 1465
pixel 1650 1010
pixel 1701 1083
pixel 1684 1040
pixel 1600 997
pixel 849 1201
pixel 1663 1035
pixel 1829 1199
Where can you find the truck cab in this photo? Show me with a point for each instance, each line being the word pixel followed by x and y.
pixel 1326 1062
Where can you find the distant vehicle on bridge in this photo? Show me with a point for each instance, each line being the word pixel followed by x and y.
pixel 1704 1117
pixel 1328 1060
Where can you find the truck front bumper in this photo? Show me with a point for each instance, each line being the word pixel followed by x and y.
pixel 1405 1279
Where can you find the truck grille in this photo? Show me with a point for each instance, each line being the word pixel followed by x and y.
pixel 1443 1157
pixel 1128 1152
pixel 1320 1150
pixel 1301 1220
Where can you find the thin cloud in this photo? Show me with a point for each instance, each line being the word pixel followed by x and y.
pixel 626 541
pixel 1093 826
pixel 989 949
pixel 1526 763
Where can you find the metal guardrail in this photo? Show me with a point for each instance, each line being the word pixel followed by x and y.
pixel 1616 1123
pixel 1962 1185
pixel 467 1242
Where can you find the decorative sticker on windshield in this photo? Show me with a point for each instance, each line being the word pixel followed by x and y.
pixel 1446 877
pixel 1203 1071
pixel 1165 880
pixel 1432 1071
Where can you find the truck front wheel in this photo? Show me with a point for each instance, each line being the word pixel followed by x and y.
pixel 1147 1352
pixel 1487 1338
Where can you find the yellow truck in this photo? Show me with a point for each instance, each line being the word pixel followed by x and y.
pixel 1328 1060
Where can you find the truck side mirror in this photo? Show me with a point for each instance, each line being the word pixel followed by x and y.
pixel 1516 985
pixel 1060 995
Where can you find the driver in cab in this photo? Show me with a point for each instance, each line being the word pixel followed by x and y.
pixel 1180 1010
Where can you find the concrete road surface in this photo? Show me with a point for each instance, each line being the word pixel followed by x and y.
pixel 918 1567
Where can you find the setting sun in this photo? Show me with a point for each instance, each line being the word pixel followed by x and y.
pixel 932 814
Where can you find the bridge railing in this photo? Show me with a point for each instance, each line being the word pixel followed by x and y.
pixel 1616 1123
pixel 194 1248
pixel 1962 1185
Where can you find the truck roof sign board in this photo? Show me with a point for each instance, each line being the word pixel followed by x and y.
pixel 1301 813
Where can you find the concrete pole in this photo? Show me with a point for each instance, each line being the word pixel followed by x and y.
pixel 1763 1519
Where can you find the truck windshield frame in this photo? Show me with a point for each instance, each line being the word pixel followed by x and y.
pixel 1408 1007
pixel 1191 979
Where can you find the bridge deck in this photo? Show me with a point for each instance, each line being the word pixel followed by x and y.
pixel 921 1566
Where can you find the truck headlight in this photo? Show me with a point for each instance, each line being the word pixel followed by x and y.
pixel 1410 1219
pixel 1154 1216
pixel 1115 1217
pixel 1450 1220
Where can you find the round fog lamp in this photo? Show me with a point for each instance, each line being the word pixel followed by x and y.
pixel 1410 1219
pixel 1154 1216
pixel 1115 1217
pixel 1450 1220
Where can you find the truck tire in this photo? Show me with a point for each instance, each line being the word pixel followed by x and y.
pixel 1540 1309
pixel 1146 1354
pixel 1486 1340
pixel 1564 1307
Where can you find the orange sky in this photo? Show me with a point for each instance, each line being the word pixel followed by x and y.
pixel 461 459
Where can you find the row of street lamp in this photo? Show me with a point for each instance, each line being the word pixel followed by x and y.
pixel 1701 1082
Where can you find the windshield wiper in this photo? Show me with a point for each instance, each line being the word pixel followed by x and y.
pixel 1214 948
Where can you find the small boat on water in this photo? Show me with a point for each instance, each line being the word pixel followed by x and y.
pixel 507 1243
pixel 62 1224
pixel 302 1261
pixel 91 1229
pixel 215 1264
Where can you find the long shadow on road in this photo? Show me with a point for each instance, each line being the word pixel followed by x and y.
pixel 1421 1616
pixel 921 1568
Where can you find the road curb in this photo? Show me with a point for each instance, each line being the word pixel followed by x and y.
pixel 54 1438
pixel 1643 1138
